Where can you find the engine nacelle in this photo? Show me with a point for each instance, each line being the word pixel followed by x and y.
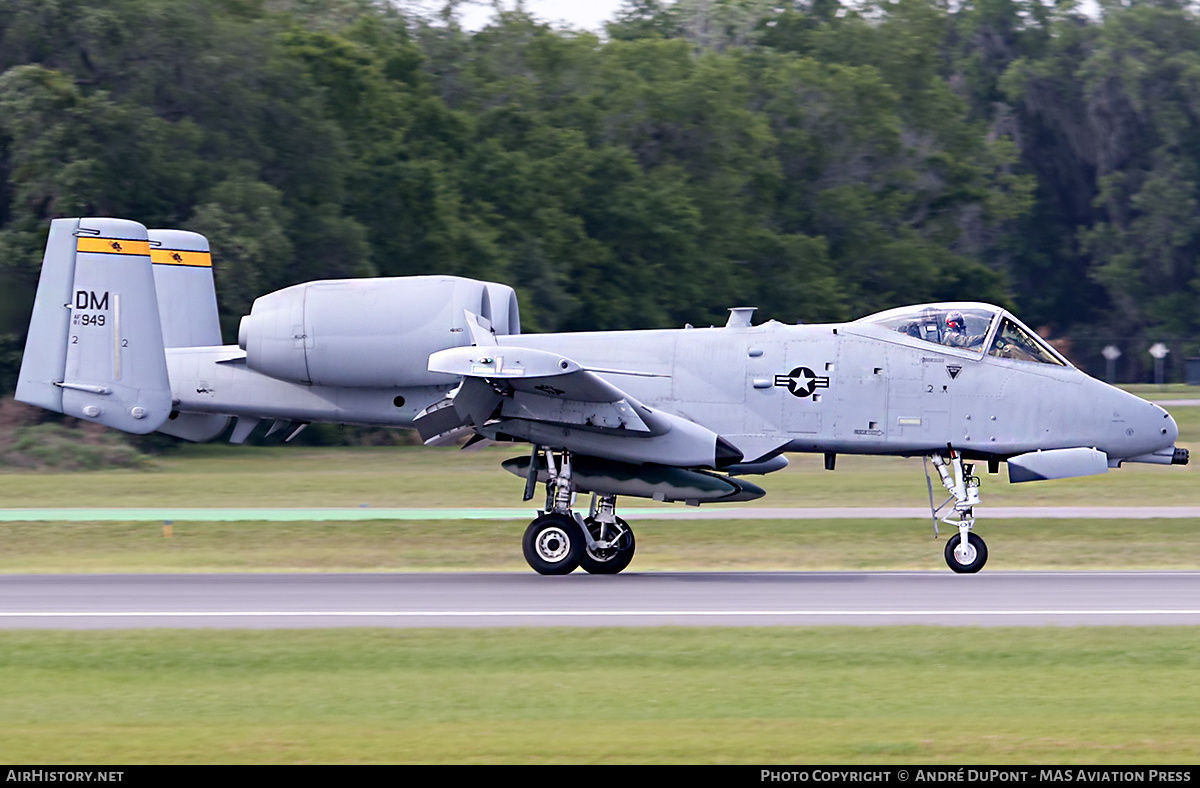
pixel 374 333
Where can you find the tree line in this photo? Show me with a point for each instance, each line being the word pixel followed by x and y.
pixel 817 159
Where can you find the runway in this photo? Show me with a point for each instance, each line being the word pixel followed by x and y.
pixel 580 600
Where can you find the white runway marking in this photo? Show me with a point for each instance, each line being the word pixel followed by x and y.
pixel 651 599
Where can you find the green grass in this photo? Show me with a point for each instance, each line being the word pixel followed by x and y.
pixel 1152 391
pixel 662 695
pixel 419 477
pixel 655 695
pixel 287 476
pixel 472 545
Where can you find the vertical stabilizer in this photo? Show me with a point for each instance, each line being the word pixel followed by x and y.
pixel 187 310
pixel 45 356
pixel 187 296
pixel 95 347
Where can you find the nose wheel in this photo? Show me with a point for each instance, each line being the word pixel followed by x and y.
pixel 969 558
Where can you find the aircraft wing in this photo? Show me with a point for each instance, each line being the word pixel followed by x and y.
pixel 540 386
pixel 549 399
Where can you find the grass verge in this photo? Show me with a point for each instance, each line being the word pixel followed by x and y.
pixel 419 477
pixel 472 545
pixel 662 695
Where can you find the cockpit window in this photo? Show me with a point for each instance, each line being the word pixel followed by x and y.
pixel 1014 342
pixel 964 328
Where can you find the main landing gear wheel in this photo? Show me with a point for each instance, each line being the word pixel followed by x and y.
pixel 607 560
pixel 968 559
pixel 553 544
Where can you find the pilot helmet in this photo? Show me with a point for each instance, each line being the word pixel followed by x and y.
pixel 956 322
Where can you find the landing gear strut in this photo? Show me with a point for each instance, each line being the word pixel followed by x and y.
pixel 560 540
pixel 966 552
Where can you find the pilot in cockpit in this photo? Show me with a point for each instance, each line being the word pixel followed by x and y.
pixel 941 325
pixel 955 334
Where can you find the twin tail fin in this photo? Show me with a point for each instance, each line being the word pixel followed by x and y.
pixel 112 296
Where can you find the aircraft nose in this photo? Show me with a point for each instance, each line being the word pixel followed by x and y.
pixel 1157 426
pixel 1154 435
pixel 1171 430
pixel 1138 427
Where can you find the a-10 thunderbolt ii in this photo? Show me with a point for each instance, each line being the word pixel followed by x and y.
pixel 124 332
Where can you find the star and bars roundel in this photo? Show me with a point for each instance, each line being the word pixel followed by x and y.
pixel 802 381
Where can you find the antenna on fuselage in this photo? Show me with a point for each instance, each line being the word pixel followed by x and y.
pixel 740 316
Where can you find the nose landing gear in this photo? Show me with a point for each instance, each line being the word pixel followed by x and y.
pixel 966 558
pixel 966 552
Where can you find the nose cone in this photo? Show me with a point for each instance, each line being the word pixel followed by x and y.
pixel 1172 429
pixel 1158 419
pixel 1138 427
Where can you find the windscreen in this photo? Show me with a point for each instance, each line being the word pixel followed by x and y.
pixel 1016 343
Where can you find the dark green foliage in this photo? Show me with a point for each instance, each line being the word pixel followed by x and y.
pixel 819 160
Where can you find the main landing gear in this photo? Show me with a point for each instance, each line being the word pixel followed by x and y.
pixel 560 540
pixel 965 552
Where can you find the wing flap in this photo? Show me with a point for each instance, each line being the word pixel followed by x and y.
pixel 557 409
pixel 547 387
pixel 550 400
pixel 525 369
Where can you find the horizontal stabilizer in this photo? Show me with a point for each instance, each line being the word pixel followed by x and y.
pixel 1056 464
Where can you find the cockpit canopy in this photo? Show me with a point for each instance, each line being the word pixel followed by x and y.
pixel 969 326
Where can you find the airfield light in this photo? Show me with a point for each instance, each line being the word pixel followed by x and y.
pixel 1159 351
pixel 1111 353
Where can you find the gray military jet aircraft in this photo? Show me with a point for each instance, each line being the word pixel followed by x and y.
pixel 124 332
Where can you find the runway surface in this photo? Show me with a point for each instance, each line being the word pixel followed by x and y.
pixel 526 599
